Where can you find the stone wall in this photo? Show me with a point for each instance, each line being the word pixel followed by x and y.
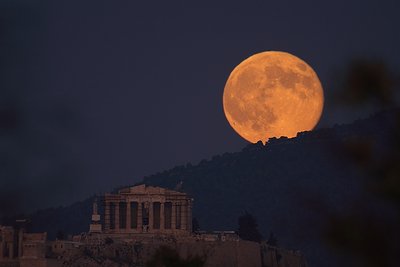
pixel 11 263
pixel 279 257
pixel 33 262
pixel 217 250
pixel 137 253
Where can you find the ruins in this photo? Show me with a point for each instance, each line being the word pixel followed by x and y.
pixel 129 228
pixel 146 209
pixel 21 249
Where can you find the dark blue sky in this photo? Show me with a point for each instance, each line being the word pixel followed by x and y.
pixel 96 94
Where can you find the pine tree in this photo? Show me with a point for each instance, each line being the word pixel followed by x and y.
pixel 248 228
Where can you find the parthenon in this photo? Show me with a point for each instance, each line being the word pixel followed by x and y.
pixel 147 209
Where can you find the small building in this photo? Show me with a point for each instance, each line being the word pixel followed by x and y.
pixel 8 243
pixel 58 247
pixel 145 209
pixel 33 250
pixel 18 248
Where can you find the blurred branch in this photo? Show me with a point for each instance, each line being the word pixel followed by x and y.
pixel 371 238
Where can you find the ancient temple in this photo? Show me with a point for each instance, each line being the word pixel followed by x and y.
pixel 147 209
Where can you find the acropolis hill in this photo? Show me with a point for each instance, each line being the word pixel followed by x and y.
pixel 139 222
pixel 272 182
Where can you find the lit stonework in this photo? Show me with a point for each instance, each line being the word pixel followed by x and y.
pixel 95 226
pixel 7 242
pixel 147 209
pixel 21 249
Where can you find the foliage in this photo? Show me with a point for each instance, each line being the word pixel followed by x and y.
pixel 268 180
pixel 109 241
pixel 195 225
pixel 367 80
pixel 60 235
pixel 138 247
pixel 369 233
pixel 248 228
pixel 168 257
pixel 272 240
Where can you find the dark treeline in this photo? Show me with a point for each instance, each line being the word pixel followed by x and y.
pixel 289 185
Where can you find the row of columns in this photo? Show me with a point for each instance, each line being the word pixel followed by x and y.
pixel 6 250
pixel 179 217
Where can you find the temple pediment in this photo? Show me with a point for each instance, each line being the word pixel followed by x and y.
pixel 148 190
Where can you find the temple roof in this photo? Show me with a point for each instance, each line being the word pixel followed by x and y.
pixel 152 190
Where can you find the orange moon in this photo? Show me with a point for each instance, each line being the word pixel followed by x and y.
pixel 272 94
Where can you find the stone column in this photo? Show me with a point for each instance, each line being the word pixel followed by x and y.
pixel 107 216
pixel 173 217
pixel 1 249
pixel 184 216
pixel 139 218
pixel 117 216
pixel 162 220
pixel 20 238
pixel 11 251
pixel 128 216
pixel 151 216
pixel 190 216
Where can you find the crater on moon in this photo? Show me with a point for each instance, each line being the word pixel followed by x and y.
pixel 272 94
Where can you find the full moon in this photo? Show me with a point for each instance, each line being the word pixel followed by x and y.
pixel 272 94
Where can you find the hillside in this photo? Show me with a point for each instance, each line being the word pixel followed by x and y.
pixel 288 185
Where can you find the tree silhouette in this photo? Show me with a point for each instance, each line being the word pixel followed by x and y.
pixel 195 225
pixel 371 237
pixel 60 235
pixel 272 240
pixel 248 228
pixel 169 257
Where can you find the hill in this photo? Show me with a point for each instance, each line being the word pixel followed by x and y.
pixel 289 185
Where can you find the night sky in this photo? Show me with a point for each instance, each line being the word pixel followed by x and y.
pixel 97 94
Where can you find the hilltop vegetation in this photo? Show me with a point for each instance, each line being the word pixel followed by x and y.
pixel 289 185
